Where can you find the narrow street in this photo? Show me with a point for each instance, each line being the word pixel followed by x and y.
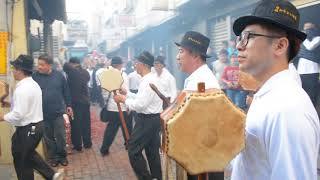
pixel 89 164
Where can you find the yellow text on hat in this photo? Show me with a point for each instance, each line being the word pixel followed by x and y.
pixel 194 40
pixel 286 12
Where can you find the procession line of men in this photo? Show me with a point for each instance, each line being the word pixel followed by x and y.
pixel 282 126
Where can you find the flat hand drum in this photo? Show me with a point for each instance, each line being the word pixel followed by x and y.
pixel 4 92
pixel 203 132
pixel 4 89
pixel 111 79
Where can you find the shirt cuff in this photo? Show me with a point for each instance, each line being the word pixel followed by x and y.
pixel 129 102
pixel 6 117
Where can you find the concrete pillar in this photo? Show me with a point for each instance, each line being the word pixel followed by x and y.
pixel 19 32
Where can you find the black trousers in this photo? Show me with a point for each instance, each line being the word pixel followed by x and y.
pixel 81 126
pixel 145 136
pixel 112 129
pixel 55 139
pixel 25 157
pixel 311 85
pixel 212 176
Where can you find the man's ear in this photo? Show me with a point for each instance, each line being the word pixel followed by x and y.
pixel 281 46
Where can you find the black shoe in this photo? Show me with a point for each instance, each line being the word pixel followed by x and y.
pixel 88 146
pixel 77 149
pixel 64 162
pixel 125 146
pixel 104 153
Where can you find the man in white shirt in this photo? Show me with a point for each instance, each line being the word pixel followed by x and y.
pixel 282 126
pixel 166 80
pixel 309 60
pixel 191 59
pixel 114 121
pixel 145 135
pixel 26 115
pixel 134 80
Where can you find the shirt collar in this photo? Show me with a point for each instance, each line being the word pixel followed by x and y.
pixel 273 81
pixel 197 72
pixel 146 76
pixel 23 80
pixel 163 73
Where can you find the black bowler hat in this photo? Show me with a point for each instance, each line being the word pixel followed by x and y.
pixel 74 60
pixel 160 59
pixel 24 62
pixel 280 13
pixel 116 60
pixel 195 41
pixel 146 58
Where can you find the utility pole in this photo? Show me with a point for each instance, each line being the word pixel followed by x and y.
pixel 47 35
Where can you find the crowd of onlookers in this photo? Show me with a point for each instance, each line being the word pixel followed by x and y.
pixel 226 70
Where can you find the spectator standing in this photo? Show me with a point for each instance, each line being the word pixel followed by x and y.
pixel 218 67
pixel 77 79
pixel 56 100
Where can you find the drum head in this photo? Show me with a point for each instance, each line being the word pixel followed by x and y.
pixel 111 79
pixel 205 133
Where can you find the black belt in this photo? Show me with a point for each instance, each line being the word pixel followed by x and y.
pixel 134 91
pixel 148 115
pixel 27 126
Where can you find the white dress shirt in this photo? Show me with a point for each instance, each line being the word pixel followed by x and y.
pixel 90 71
pixel 295 73
pixel 134 80
pixel 282 134
pixel 27 104
pixel 146 101
pixel 305 66
pixel 167 84
pixel 202 74
pixel 112 105
pixel 98 72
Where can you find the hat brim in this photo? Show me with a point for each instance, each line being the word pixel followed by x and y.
pixel 242 22
pixel 205 55
pixel 20 67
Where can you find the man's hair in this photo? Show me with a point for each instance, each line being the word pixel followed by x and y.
pixel 148 66
pixel 46 58
pixel 25 72
pixel 116 65
pixel 294 42
pixel 74 60
pixel 202 57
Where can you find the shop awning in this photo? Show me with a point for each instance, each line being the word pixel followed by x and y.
pixel 49 10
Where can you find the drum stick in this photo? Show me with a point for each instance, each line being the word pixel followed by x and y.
pixel 123 122
pixel 165 100
pixel 202 89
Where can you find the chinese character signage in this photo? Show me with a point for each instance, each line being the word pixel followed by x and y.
pixel 3 52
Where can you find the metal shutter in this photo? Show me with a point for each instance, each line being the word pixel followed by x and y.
pixel 220 31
